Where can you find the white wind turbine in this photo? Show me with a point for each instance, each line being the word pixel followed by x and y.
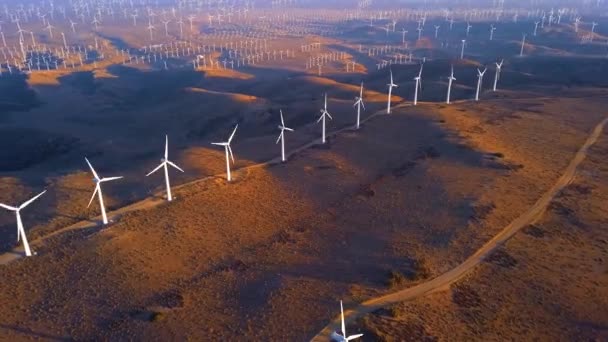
pixel 390 92
pixel 341 336
pixel 359 103
pixel 229 154
pixel 20 229
pixel 324 114
pixel 418 80
pixel 479 79
pixel 281 137
pixel 165 163
pixel 450 80
pixel 497 75
pixel 97 191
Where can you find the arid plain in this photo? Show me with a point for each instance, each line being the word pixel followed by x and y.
pixel 405 199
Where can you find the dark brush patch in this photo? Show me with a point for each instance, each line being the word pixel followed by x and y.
pixel 492 163
pixel 284 237
pixel 171 299
pixel 366 191
pixel 465 297
pixel 404 168
pixel 580 189
pixel 411 270
pixel 534 231
pixel 566 212
pixel 481 211
pixel 502 258
pixel 427 153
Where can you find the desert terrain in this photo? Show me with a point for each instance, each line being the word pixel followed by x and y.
pixel 393 218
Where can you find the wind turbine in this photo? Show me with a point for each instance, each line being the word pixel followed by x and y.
pixel 390 92
pixel 229 154
pixel 50 28
pixel 479 79
pixel 166 23
pixel 151 28
pixel 450 80
pixel 418 80
pixel 492 29
pixel 341 335
pixel 324 113
pixel 165 163
pixel 97 191
pixel 462 49
pixel 281 137
pixel 497 76
pixel 359 103
pixel 20 229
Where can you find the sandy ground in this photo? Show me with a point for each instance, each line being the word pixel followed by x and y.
pixel 547 283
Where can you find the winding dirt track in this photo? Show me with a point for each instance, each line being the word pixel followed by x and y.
pixel 443 281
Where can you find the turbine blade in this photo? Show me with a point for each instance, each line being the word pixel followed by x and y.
pixel 329 115
pixel 320 118
pixel 289 129
pixel 31 200
pixel 279 138
pixel 363 104
pixel 92 169
pixel 282 121
pixel 108 179
pixel 353 337
pixel 174 165
pixel 166 147
pixel 230 151
pixel 232 135
pixel 8 207
pixel 220 144
pixel 156 169
pixel 93 196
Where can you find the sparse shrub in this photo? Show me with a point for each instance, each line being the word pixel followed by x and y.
pixel 395 278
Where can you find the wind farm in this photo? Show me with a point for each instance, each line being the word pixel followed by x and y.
pixel 330 171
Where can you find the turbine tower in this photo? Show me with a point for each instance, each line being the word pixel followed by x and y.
pixel 165 163
pixel 341 335
pixel 97 191
pixel 479 79
pixel 281 137
pixel 359 103
pixel 418 80
pixel 462 49
pixel 20 229
pixel 324 114
pixel 390 92
pixel 229 154
pixel 497 76
pixel 450 80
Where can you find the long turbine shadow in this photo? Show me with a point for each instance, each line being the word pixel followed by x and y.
pixel 31 333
